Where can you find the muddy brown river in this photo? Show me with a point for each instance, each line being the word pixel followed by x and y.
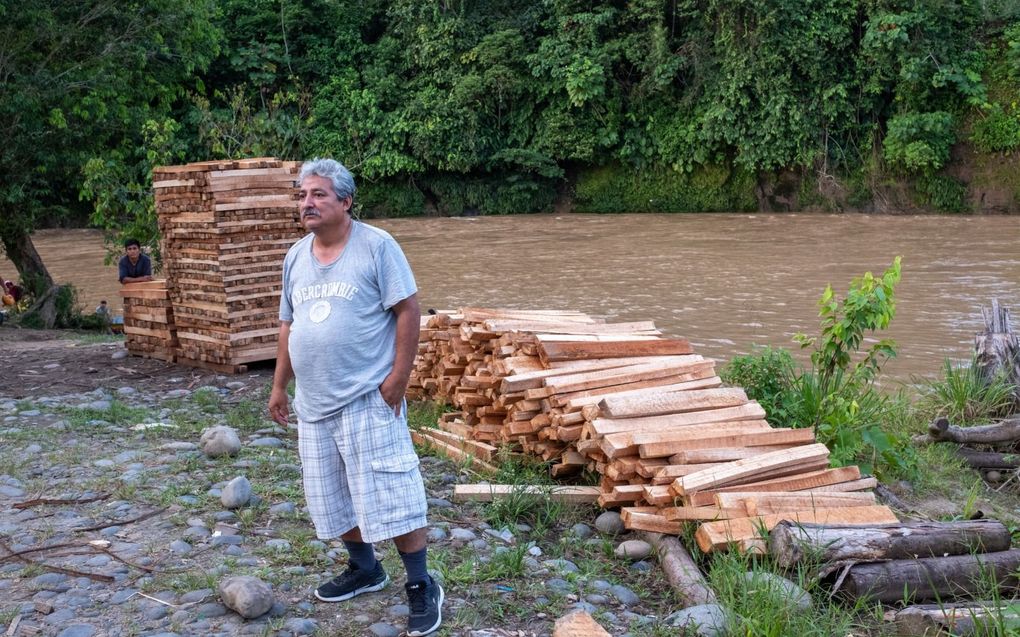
pixel 725 281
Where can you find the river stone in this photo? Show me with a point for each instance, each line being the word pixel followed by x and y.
pixel 301 626
pixel 708 620
pixel 581 531
pixel 266 442
pixel 383 630
pixel 635 550
pixel 436 534
pixel 220 441
pixel 283 508
pixel 237 493
pixel 624 595
pixel 610 523
pixel 462 535
pixel 248 596
pixel 78 630
pixel 782 587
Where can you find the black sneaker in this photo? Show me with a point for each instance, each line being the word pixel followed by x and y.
pixel 353 582
pixel 426 602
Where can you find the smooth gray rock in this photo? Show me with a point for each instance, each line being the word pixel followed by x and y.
pixel 581 531
pixel 439 503
pixel 463 535
pixel 301 626
pixel 383 630
pixel 275 443
pixel 180 547
pixel 220 441
pixel 633 550
pixel 248 596
pixel 624 595
pixel 196 596
pixel 237 493
pixel 503 535
pixel 11 492
pixel 610 523
pixel 278 544
pixel 210 609
pixel 561 566
pixel 708 620
pixel 283 508
pixel 436 534
pixel 782 587
pixel 78 630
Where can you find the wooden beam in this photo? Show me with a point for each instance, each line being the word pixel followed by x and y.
pixel 606 426
pixel 748 467
pixel 765 503
pixel 490 492
pixel 451 451
pixel 798 482
pixel 716 535
pixel 672 402
pixel 555 351
pixel 770 437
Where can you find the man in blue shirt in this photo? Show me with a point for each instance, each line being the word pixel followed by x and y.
pixel 135 267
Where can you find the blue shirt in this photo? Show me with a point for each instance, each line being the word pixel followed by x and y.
pixel 142 268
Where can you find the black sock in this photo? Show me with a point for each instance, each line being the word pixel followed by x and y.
pixel 362 554
pixel 414 563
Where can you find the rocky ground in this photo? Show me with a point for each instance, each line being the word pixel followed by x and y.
pixel 117 518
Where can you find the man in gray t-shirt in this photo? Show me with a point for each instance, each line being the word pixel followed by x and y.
pixel 349 321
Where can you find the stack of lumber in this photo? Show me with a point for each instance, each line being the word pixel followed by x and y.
pixel 149 329
pixel 522 378
pixel 710 456
pixel 226 227
pixel 647 414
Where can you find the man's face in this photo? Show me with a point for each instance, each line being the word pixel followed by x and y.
pixel 320 207
pixel 133 252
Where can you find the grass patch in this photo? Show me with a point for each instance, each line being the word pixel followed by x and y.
pixel 538 510
pixel 758 608
pixel 963 396
pixel 119 414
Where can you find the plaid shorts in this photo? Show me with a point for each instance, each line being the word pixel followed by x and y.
pixel 360 470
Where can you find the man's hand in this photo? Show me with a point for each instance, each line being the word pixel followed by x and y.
pixel 393 390
pixel 278 409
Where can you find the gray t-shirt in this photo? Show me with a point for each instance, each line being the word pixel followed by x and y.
pixel 342 333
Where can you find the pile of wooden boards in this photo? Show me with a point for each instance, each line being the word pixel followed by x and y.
pixel 643 411
pixel 226 226
pixel 149 329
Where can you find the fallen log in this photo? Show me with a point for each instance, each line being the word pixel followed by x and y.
pixel 681 570
pixel 972 618
pixel 988 459
pixel 1005 431
pixel 932 578
pixel 790 543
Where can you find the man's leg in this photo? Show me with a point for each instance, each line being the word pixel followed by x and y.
pixel 424 594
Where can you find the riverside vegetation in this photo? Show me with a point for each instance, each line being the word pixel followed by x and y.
pixel 512 106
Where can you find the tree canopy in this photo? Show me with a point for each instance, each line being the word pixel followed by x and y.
pixel 493 107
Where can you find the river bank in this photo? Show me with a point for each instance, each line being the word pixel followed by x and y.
pixel 81 420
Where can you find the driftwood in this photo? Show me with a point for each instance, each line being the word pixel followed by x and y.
pixel 681 571
pixel 974 618
pixel 931 578
pixel 988 459
pixel 790 543
pixel 997 349
pixel 1004 431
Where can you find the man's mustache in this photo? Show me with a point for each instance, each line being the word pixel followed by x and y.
pixel 310 212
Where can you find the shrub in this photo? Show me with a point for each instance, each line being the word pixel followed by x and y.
pixel 618 188
pixel 963 396
pixel 919 142
pixel 998 131
pixel 767 375
pixel 942 193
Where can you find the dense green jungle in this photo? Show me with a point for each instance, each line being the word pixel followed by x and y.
pixel 510 106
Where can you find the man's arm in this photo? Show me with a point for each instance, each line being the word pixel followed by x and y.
pixel 394 386
pixel 278 410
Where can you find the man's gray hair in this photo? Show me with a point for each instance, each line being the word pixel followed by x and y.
pixel 334 171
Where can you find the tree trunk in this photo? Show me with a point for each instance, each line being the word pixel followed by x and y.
pixel 997 349
pixel 33 273
pixel 681 571
pixel 988 459
pixel 790 543
pixel 1005 431
pixel 932 578
pixel 973 618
